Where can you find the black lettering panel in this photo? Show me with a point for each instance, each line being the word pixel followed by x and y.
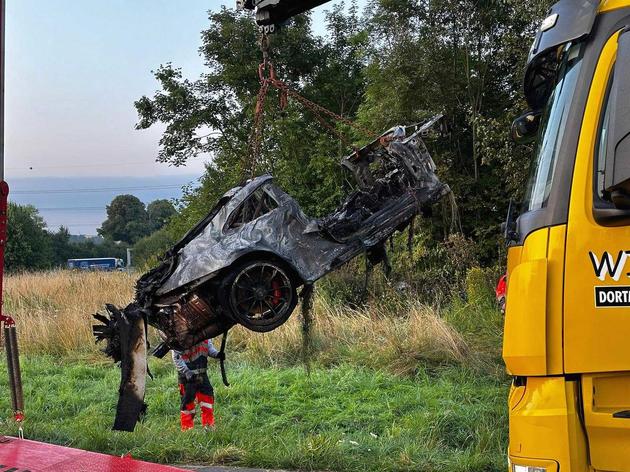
pixel 609 297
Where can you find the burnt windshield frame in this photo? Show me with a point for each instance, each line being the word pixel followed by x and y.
pixel 552 128
pixel 264 195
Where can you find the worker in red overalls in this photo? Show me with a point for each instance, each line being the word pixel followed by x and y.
pixel 192 366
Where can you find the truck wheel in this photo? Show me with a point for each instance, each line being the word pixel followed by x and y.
pixel 261 295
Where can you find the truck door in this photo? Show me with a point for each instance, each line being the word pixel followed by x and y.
pixel 597 272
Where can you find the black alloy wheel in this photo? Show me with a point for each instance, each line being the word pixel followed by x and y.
pixel 262 296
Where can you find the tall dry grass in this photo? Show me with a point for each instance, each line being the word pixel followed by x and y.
pixel 369 336
pixel 53 311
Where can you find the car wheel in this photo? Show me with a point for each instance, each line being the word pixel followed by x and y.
pixel 261 295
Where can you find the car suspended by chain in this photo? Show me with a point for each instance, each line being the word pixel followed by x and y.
pixel 245 261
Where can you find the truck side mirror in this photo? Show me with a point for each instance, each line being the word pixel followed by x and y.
pixel 525 127
pixel 617 170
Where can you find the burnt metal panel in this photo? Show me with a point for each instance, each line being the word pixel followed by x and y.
pixel 283 232
pixel 402 183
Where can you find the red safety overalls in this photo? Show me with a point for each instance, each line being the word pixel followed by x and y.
pixel 192 365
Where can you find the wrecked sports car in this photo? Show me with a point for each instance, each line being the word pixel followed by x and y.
pixel 244 262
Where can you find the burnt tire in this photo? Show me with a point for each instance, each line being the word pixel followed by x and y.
pixel 260 294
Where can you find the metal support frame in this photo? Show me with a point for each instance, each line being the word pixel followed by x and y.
pixel 4 188
pixel 10 333
pixel 3 11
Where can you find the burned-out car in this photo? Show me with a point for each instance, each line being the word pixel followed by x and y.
pixel 244 262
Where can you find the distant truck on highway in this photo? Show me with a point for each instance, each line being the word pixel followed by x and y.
pixel 98 263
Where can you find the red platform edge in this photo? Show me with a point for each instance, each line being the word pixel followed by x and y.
pixel 23 455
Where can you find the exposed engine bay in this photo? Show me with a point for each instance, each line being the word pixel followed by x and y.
pixel 244 262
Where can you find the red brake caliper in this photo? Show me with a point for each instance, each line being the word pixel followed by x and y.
pixel 277 292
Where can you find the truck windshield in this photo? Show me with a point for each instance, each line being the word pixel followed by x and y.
pixel 552 126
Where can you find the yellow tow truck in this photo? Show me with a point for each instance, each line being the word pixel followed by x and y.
pixel 567 324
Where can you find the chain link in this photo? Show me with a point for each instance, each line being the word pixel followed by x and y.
pixel 270 80
pixel 319 110
pixel 256 135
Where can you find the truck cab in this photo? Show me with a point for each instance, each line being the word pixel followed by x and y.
pixel 567 323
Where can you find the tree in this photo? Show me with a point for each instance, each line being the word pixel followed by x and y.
pixel 302 155
pixel 148 249
pixel 465 59
pixel 127 220
pixel 89 249
pixel 62 249
pixel 160 213
pixel 31 247
pixel 28 243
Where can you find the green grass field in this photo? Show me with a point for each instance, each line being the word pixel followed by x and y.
pixel 343 418
pixel 395 385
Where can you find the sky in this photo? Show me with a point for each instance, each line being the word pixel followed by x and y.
pixel 74 69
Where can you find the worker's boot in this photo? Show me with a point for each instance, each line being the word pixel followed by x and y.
pixel 187 417
pixel 206 402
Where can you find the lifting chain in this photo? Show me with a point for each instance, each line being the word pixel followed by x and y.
pixel 267 77
pixel 256 134
pixel 319 110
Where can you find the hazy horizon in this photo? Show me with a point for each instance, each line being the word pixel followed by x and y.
pixel 78 203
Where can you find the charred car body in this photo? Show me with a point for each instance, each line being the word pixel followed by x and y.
pixel 244 262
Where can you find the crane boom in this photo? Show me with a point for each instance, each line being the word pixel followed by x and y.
pixel 272 13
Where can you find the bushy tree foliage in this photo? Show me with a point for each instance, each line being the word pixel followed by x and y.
pixel 61 247
pixel 128 220
pixel 90 249
pixel 214 114
pixel 159 213
pixel 31 246
pixel 466 59
pixel 148 249
pixel 28 245
pixel 399 62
